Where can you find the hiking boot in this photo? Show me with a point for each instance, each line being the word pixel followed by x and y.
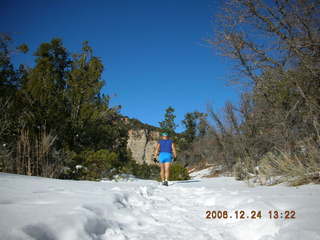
pixel 165 183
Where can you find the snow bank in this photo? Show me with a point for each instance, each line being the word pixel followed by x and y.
pixel 42 208
pixel 201 173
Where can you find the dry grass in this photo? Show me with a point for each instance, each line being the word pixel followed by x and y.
pixel 296 169
pixel 34 154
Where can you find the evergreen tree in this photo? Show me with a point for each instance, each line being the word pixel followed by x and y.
pixel 190 125
pixel 195 124
pixel 168 123
pixel 44 87
pixel 202 125
pixel 83 87
pixel 10 83
pixel 57 106
pixel 10 78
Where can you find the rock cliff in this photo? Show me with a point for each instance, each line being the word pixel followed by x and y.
pixel 141 143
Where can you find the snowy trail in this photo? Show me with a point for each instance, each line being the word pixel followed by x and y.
pixel 42 208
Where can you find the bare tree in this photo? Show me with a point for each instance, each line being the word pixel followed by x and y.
pixel 276 45
pixel 268 35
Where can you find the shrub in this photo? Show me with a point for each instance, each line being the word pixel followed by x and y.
pixel 296 169
pixel 244 168
pixel 98 163
pixel 239 172
pixel 144 170
pixel 178 172
pixel 5 165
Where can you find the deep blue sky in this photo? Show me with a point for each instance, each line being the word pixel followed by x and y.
pixel 153 50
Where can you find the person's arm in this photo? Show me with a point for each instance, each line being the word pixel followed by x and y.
pixel 174 150
pixel 156 152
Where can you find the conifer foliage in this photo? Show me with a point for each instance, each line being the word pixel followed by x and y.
pixel 55 122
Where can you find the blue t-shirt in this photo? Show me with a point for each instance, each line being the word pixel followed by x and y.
pixel 166 145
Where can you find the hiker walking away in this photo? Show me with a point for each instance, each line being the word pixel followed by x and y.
pixel 166 150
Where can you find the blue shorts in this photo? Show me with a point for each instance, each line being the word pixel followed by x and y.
pixel 165 157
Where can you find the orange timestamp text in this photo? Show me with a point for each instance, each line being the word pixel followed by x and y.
pixel 253 214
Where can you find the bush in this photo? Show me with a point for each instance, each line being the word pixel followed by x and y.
pixel 143 171
pixel 178 172
pixel 243 169
pixel 98 164
pixel 296 169
pixel 239 171
pixel 5 165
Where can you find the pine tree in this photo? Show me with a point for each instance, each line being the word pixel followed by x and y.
pixel 57 107
pixel 10 78
pixel 45 86
pixel 195 124
pixel 168 123
pixel 190 125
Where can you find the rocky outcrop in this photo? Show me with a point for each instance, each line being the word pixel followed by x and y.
pixel 141 143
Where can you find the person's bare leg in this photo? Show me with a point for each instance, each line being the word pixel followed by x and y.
pixel 162 171
pixel 167 170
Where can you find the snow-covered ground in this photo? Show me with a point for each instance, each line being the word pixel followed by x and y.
pixel 50 209
pixel 201 173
